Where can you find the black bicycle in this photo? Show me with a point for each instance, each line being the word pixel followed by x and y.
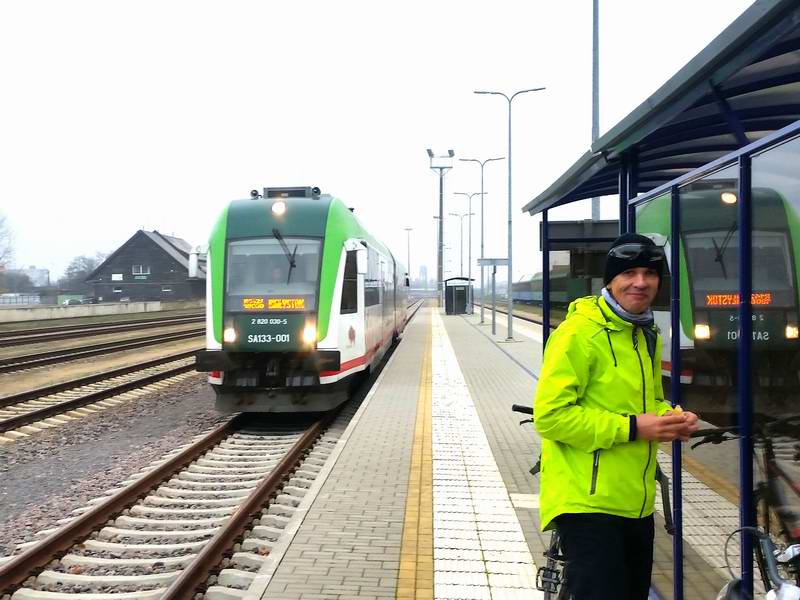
pixel 551 578
pixel 778 522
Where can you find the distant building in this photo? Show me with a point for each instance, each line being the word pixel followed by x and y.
pixel 423 276
pixel 150 266
pixel 38 277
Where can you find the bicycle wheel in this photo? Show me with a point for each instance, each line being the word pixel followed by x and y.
pixel 768 518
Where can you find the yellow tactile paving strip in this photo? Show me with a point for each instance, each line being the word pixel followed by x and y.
pixel 415 579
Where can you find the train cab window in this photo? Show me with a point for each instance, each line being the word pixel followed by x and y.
pixel 267 267
pixel 350 285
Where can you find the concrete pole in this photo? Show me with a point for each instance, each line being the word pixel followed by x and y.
pixel 595 90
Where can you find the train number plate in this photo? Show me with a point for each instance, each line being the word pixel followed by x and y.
pixel 266 333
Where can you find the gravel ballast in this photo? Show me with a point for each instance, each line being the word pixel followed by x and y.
pixel 50 473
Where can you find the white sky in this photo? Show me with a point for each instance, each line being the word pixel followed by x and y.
pixel 117 116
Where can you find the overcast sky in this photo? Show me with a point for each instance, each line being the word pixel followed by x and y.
pixel 118 116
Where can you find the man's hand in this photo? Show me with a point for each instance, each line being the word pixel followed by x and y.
pixel 667 428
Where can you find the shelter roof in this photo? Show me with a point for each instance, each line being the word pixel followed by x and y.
pixel 743 86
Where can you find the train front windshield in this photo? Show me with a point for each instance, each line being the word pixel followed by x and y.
pixel 267 267
pixel 713 258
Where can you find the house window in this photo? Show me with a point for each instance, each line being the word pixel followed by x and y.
pixel 141 269
pixel 117 290
pixel 116 277
pixel 166 288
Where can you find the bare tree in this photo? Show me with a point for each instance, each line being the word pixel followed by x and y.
pixel 78 269
pixel 6 242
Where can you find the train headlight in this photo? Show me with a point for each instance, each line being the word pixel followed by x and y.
pixel 309 334
pixel 728 197
pixel 792 332
pixel 229 335
pixel 702 331
pixel 278 208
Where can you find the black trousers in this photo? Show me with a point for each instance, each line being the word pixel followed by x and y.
pixel 608 557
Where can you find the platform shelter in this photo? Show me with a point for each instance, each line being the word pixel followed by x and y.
pixel 708 167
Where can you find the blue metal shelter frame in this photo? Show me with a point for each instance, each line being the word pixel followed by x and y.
pixel 737 97
pixel 742 159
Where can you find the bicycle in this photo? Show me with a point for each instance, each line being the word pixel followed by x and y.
pixel 775 517
pixel 551 578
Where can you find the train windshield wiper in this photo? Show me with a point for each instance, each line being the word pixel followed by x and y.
pixel 289 254
pixel 720 250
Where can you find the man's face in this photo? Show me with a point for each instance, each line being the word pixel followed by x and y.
pixel 635 289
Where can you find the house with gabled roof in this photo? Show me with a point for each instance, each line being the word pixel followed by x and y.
pixel 150 266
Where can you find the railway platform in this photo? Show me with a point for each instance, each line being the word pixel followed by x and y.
pixel 428 493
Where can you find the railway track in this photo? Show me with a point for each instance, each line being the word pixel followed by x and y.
pixel 516 314
pixel 163 532
pixel 28 361
pixel 16 338
pixel 43 404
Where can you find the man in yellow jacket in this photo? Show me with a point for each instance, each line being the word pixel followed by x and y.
pixel 601 412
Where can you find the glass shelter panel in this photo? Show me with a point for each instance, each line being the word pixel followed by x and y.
pixel 776 347
pixel 709 279
pixel 653 219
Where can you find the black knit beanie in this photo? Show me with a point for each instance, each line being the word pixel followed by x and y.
pixel 615 266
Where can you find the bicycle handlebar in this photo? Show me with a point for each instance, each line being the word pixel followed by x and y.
pixel 528 410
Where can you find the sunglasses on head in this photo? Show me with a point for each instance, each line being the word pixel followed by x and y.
pixel 635 251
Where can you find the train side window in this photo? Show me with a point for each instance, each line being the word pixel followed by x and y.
pixel 371 294
pixel 350 285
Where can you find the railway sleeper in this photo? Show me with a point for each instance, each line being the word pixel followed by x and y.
pixel 96 581
pixel 138 549
pixel 191 484
pixel 70 560
pixel 218 592
pixel 230 472
pixel 193 502
pixel 112 533
pixel 155 511
pixel 235 578
pixel 248 561
pixel 239 492
pixel 126 522
pixel 30 594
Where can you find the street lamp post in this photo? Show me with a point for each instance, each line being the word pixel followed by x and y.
pixel 408 252
pixel 510 270
pixel 442 164
pixel 481 163
pixel 469 248
pixel 461 239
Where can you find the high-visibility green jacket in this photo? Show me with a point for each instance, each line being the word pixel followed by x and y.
pixel 596 373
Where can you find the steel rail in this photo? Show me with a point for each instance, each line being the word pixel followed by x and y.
pixel 28 361
pixel 518 316
pixel 197 572
pixel 35 558
pixel 89 325
pixel 81 381
pixel 62 407
pixel 76 331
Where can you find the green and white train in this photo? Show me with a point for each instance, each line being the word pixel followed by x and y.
pixel 300 300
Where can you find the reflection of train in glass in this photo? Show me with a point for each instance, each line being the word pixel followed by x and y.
pixel 710 269
pixel 300 299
